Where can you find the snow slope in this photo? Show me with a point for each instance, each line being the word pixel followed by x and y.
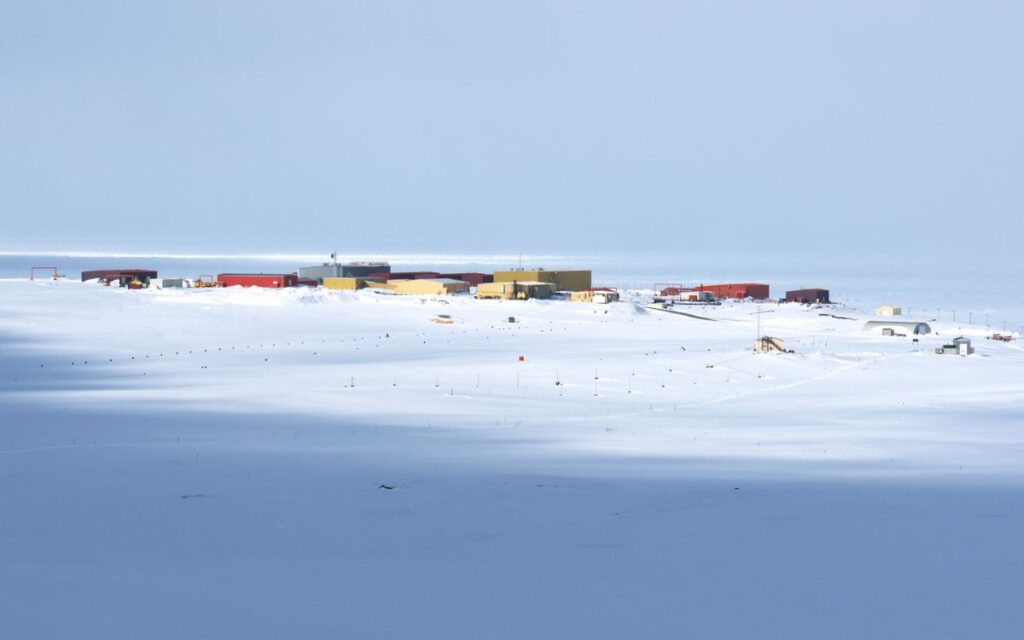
pixel 256 463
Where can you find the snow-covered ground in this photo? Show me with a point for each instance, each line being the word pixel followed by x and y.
pixel 259 464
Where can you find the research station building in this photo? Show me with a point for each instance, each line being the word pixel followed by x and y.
pixel 561 279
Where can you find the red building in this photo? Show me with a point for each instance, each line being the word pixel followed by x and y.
pixel 123 276
pixel 268 280
pixel 474 279
pixel 738 290
pixel 808 296
pixel 406 275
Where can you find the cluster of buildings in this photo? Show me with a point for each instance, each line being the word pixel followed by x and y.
pixel 509 284
pixel 706 293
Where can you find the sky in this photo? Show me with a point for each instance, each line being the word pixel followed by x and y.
pixel 829 130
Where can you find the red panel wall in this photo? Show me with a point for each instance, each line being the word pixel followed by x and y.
pixel 737 290
pixel 269 280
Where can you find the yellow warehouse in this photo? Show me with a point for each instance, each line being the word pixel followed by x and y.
pixel 563 280
pixel 347 284
pixel 513 290
pixel 429 287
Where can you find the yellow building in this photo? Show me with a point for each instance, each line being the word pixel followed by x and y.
pixel 513 290
pixel 563 280
pixel 429 287
pixel 346 284
pixel 597 296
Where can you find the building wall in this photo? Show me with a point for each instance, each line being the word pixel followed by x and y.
pixel 320 272
pixel 511 290
pixel 347 284
pixel 354 270
pixel 595 295
pixel 473 278
pixel 738 290
pixel 266 280
pixel 564 280
pixel 431 287
pixel 495 290
pixel 807 295
pixel 407 275
pixel 140 274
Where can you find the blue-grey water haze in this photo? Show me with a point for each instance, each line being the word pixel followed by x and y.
pixel 807 133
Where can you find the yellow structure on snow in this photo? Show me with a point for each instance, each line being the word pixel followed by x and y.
pixel 513 290
pixel 563 280
pixel 428 287
pixel 597 296
pixel 346 284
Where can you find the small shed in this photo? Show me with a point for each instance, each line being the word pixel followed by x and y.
pixel 957 346
pixel 888 310
pixel 596 296
pixel 768 344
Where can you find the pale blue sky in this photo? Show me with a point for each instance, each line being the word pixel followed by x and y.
pixel 864 127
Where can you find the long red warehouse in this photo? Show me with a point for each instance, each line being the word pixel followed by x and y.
pixel 269 280
pixel 738 290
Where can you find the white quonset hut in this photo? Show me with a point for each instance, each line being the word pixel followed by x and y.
pixel 897 328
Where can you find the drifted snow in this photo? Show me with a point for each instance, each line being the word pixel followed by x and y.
pixel 212 465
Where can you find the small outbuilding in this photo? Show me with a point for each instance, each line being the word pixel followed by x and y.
pixel 768 344
pixel 888 310
pixel 596 296
pixel 897 327
pixel 957 346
